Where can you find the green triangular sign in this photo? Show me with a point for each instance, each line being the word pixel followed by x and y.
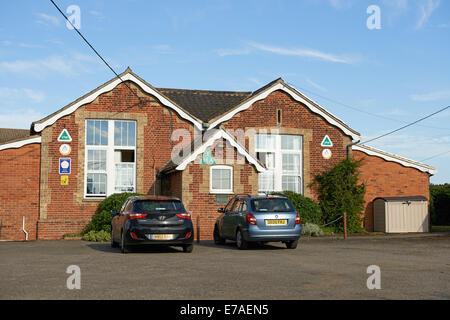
pixel 326 142
pixel 208 157
pixel 64 136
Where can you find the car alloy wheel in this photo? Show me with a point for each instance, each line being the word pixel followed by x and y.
pixel 240 241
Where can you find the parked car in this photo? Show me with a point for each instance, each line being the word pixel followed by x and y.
pixel 148 220
pixel 258 219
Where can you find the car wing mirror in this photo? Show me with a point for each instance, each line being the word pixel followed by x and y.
pixel 220 210
pixel 114 212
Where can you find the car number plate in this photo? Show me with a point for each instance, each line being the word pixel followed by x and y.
pixel 276 222
pixel 160 236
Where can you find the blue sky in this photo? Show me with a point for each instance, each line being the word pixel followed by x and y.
pixel 398 73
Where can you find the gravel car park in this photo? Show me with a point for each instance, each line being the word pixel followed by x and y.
pixel 320 268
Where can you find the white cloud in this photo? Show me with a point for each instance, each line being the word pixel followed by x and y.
pixel 232 52
pixel 21 119
pixel 305 53
pixel 341 4
pixel 432 96
pixel 425 12
pixel 47 20
pixel 72 65
pixel 298 52
pixel 163 48
pixel 315 85
pixel 9 96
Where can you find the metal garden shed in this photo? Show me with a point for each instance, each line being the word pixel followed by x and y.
pixel 401 214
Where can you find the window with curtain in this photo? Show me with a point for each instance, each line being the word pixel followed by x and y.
pixel 221 179
pixel 110 157
pixel 282 155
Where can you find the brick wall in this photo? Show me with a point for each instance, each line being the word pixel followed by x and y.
pixel 63 209
pixel 388 179
pixel 196 194
pixel 296 119
pixel 19 191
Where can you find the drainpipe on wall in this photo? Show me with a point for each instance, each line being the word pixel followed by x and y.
pixel 23 228
pixel 349 148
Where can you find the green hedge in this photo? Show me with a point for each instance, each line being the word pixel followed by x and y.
pixel 102 217
pixel 339 192
pixel 440 204
pixel 308 209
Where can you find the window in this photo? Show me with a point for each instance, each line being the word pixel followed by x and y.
pixel 282 155
pixel 110 157
pixel 221 179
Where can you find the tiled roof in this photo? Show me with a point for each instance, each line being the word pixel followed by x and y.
pixel 205 104
pixel 12 134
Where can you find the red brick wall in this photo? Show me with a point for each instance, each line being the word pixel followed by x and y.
pixel 388 179
pixel 66 210
pixel 19 191
pixel 196 189
pixel 263 114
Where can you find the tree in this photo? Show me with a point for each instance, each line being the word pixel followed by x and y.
pixel 340 192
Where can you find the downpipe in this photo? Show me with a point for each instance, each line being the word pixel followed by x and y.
pixel 23 228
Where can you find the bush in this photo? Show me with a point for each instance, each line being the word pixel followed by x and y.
pixel 97 236
pixel 101 221
pixel 308 209
pixel 340 192
pixel 440 204
pixel 311 229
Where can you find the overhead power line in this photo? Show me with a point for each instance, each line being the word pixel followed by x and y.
pixel 359 109
pixel 96 52
pixel 436 155
pixel 406 126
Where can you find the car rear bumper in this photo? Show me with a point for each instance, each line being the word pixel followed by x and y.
pixel 256 234
pixel 180 236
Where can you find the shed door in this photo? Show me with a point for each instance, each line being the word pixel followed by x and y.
pixel 404 217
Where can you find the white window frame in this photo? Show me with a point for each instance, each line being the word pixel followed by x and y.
pixel 220 191
pixel 110 161
pixel 278 169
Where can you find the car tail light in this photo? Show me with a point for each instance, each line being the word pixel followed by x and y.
pixel 134 216
pixel 188 235
pixel 251 219
pixel 298 219
pixel 185 215
pixel 133 235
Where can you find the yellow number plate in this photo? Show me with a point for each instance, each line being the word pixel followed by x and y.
pixel 161 236
pixel 276 222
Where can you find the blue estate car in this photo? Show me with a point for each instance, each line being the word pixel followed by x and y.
pixel 258 219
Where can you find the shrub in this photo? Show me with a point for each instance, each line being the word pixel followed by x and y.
pixel 311 229
pixel 309 209
pixel 340 192
pixel 102 217
pixel 440 204
pixel 97 236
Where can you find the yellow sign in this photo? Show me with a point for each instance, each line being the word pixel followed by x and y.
pixel 64 180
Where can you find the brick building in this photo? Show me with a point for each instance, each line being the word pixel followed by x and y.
pixel 202 146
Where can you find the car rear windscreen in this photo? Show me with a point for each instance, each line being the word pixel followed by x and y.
pixel 155 206
pixel 272 205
